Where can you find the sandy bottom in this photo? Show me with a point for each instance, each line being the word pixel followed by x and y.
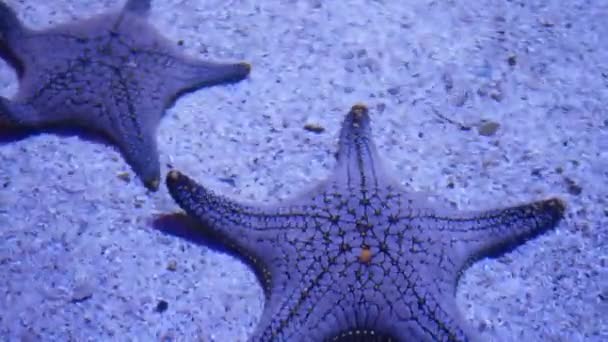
pixel 88 254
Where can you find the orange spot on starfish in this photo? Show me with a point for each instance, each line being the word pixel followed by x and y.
pixel 366 255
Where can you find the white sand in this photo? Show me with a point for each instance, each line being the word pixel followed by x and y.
pixel 80 258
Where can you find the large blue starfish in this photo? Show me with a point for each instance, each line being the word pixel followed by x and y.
pixel 359 257
pixel 112 73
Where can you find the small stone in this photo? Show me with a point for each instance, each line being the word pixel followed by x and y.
pixel 370 65
pixel 603 296
pixel 488 128
pixel 228 180
pixel 315 128
pixel 448 81
pixel 573 188
pixel 348 55
pixel 139 201
pixel 162 306
pixel 496 94
pixel 172 265
pixel 82 292
pixel 546 22
pixel 393 90
pixel 512 60
pixel 125 176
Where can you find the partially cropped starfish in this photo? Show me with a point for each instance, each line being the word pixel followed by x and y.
pixel 112 73
pixel 359 257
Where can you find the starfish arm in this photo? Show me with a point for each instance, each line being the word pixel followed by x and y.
pixel 179 72
pixel 139 148
pixel 302 307
pixel 10 25
pixel 186 74
pixel 11 33
pixel 491 233
pixel 130 122
pixel 17 114
pixel 5 117
pixel 302 303
pixel 134 136
pixel 333 309
pixel 358 165
pixel 254 231
pixel 434 321
pixel 182 74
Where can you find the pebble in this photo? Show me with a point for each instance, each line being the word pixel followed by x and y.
pixel 488 128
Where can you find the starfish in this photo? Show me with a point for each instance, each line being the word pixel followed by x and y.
pixel 113 74
pixel 359 257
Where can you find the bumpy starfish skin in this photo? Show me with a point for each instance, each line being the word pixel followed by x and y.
pixel 112 73
pixel 359 257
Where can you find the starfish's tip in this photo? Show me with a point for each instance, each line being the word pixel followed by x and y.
pixel 359 108
pixel 557 205
pixel 246 66
pixel 359 113
pixel 173 175
pixel 554 206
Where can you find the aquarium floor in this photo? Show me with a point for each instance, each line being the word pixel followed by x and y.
pixel 87 254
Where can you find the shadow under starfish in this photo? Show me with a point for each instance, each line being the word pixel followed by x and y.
pixel 112 74
pixel 360 258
